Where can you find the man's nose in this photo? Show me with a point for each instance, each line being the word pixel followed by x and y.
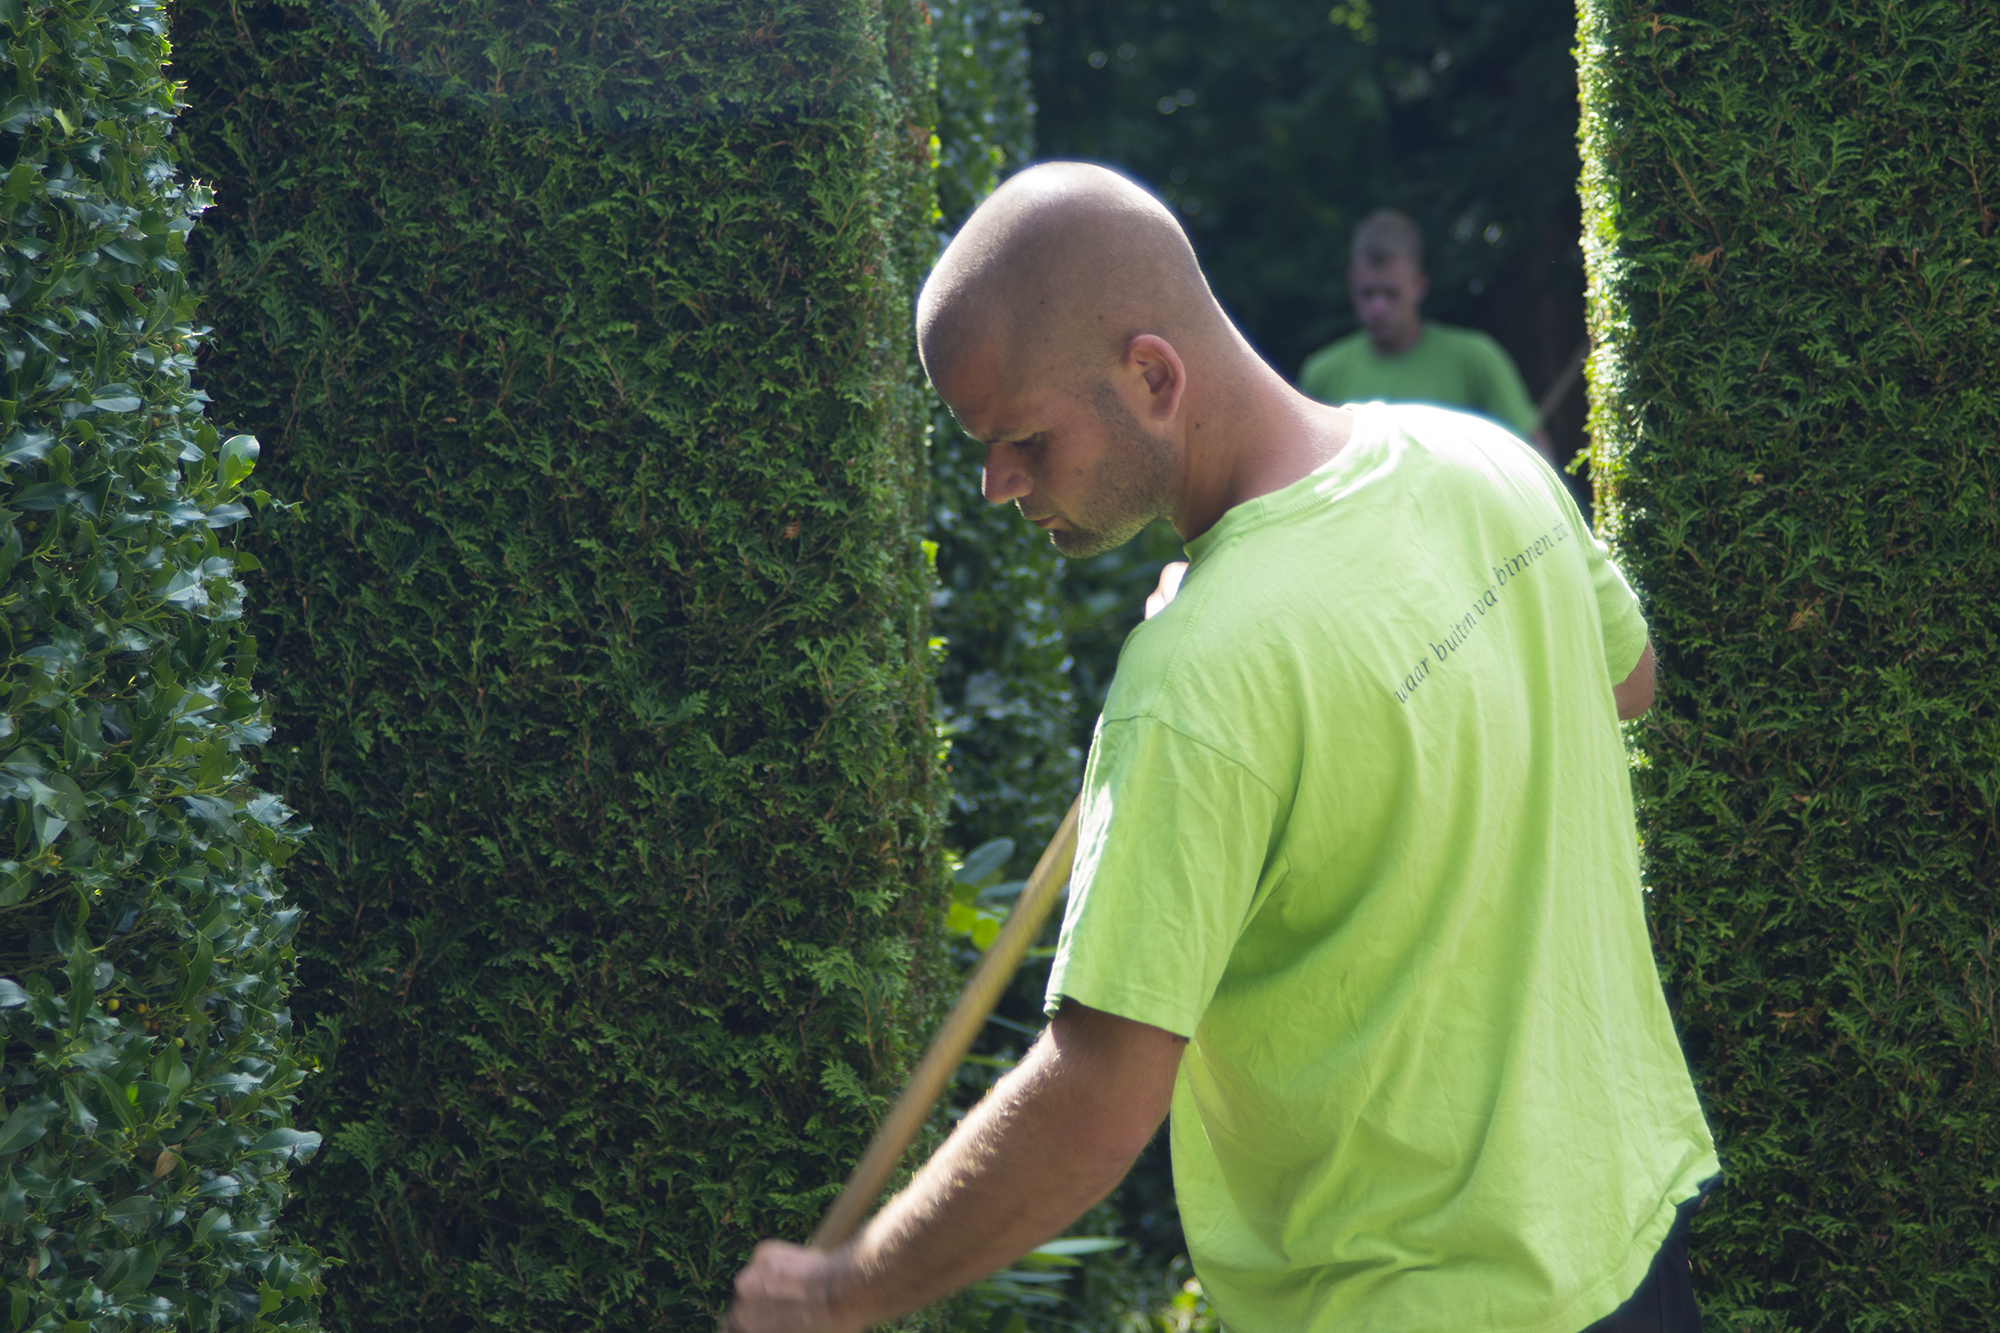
pixel 1003 479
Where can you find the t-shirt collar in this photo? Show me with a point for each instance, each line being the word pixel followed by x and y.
pixel 1252 514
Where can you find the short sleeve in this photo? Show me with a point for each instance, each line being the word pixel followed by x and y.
pixel 1621 624
pixel 1624 625
pixel 1172 848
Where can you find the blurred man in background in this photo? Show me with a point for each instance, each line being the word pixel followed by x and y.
pixel 1398 356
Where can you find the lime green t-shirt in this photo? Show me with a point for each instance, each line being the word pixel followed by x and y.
pixel 1448 367
pixel 1358 822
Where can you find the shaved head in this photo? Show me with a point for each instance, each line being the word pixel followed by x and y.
pixel 1055 273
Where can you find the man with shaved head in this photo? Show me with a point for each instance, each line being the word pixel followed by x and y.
pixel 1356 893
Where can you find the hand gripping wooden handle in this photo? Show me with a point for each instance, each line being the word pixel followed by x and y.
pixel 947 1049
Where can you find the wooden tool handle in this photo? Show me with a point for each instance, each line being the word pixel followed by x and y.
pixel 947 1049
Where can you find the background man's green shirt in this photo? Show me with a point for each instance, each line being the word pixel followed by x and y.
pixel 1358 822
pixel 1448 367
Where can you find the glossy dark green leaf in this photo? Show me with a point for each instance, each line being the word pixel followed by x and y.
pixel 26 447
pixel 80 1114
pixel 138 1273
pixel 239 458
pixel 985 862
pixel 26 1123
pixel 116 398
pixel 134 1208
pixel 45 495
pixel 212 1221
pixel 220 1187
pixel 114 1100
pixel 286 1142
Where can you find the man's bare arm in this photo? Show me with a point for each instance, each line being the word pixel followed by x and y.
pixel 1635 693
pixel 1050 1140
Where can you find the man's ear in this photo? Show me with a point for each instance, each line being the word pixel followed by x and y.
pixel 1423 284
pixel 1154 371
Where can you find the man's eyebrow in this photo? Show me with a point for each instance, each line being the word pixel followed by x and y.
pixel 1004 437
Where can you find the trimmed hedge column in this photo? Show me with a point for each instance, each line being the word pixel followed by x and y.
pixel 601 644
pixel 1795 267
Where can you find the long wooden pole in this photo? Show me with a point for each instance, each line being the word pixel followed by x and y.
pixel 947 1049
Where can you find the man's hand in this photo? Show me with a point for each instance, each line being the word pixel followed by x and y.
pixel 1051 1139
pixel 1169 584
pixel 790 1289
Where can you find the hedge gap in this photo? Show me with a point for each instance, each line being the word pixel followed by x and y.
pixel 600 645
pixel 1006 704
pixel 1795 294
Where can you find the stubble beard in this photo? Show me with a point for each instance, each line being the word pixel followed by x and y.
pixel 1129 489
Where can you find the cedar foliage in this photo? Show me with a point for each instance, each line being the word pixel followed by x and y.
pixel 600 645
pixel 147 1074
pixel 1795 265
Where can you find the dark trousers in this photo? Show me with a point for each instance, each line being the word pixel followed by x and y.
pixel 1664 1302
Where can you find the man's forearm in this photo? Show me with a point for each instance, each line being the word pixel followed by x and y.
pixel 1053 1138
pixel 1013 1174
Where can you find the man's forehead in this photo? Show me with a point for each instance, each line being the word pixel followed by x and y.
pixel 985 393
pixel 1396 268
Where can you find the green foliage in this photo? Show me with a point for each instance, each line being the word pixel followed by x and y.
pixel 601 647
pixel 985 107
pixel 1796 297
pixel 603 64
pixel 147 1076
pixel 1004 699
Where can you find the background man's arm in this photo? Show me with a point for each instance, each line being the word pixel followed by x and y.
pixel 1050 1140
pixel 1635 693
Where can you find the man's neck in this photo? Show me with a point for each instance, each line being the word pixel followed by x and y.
pixel 1249 435
pixel 1402 341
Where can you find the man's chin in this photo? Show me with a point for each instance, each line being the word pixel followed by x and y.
pixel 1078 545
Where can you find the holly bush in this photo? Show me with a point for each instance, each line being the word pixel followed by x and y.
pixel 147 1077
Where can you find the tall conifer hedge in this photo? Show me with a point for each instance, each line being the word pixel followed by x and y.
pixel 1794 234
pixel 581 332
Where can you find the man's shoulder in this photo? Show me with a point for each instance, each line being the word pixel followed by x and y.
pixel 1464 341
pixel 1346 345
pixel 1333 357
pixel 1491 381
